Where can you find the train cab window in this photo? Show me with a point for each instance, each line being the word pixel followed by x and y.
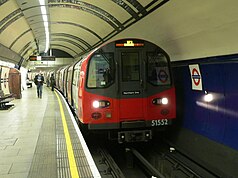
pixel 158 69
pixel 130 67
pixel 101 70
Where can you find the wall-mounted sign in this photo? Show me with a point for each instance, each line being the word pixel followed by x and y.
pixel 196 77
pixel 4 79
pixel 33 58
pixel 47 58
pixel 42 58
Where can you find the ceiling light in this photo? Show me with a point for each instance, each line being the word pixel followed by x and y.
pixel 46 24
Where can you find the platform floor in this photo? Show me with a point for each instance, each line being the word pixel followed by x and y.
pixel 38 139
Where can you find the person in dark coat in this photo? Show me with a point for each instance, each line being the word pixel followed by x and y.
pixel 52 82
pixel 39 80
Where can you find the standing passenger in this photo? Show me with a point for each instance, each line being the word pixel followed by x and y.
pixel 52 82
pixel 39 80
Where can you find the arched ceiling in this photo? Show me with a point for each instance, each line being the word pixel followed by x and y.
pixel 75 26
pixel 185 29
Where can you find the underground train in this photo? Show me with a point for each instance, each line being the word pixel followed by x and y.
pixel 123 87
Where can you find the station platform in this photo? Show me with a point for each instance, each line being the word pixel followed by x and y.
pixel 40 138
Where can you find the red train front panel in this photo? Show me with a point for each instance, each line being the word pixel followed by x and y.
pixel 107 111
pixel 126 85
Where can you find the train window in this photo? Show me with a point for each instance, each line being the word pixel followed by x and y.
pixel 101 70
pixel 158 69
pixel 130 67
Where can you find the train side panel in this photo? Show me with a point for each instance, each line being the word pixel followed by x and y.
pixel 65 86
pixel 69 85
pixel 61 78
pixel 57 78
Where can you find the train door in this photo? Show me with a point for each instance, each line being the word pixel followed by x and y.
pixel 131 85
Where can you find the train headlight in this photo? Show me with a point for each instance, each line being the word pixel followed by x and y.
pixel 96 104
pixel 164 101
pixel 101 104
pixel 159 101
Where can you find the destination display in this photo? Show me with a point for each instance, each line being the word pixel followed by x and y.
pixel 42 58
pixel 130 43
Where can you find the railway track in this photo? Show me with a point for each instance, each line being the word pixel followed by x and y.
pixel 170 162
pixel 108 168
pixel 114 160
pixel 144 160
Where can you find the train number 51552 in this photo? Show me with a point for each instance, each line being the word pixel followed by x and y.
pixel 159 122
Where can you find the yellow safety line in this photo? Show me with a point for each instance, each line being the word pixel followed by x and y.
pixel 72 162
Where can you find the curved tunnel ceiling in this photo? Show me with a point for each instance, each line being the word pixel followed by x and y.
pixel 185 29
pixel 75 26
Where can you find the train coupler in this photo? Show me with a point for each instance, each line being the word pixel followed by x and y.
pixel 134 136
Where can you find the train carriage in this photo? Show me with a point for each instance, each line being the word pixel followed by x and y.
pixel 65 84
pixel 61 79
pixel 125 87
pixel 69 84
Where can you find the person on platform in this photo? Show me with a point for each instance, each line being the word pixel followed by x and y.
pixel 39 80
pixel 52 82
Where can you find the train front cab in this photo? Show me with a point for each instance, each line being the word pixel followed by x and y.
pixel 128 89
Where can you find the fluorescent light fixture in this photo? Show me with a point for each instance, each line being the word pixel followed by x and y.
pixel 45 18
pixel 43 10
pixel 46 24
pixel 42 2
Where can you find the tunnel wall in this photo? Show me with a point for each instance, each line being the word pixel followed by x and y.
pixel 208 130
pixel 8 55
